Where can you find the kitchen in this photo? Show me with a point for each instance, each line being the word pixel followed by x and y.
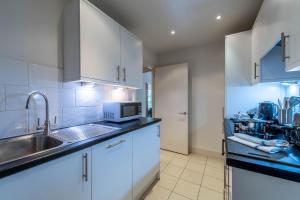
pixel 149 99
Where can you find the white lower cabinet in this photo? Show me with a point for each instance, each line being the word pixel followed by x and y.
pixel 121 168
pixel 60 179
pixel 112 169
pixel 146 158
pixel 248 185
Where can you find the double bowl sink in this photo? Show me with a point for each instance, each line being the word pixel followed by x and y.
pixel 24 146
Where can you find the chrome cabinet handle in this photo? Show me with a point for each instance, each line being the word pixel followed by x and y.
pixel 118 72
pixel 255 71
pixel 115 144
pixel 85 167
pixel 283 46
pixel 124 77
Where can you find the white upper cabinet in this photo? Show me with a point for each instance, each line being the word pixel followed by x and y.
pixel 99 44
pixel 292 16
pixel 131 59
pixel 276 17
pixel 98 49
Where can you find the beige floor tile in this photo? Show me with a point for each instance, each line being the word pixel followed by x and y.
pixel 163 166
pixel 165 158
pixel 192 176
pixel 179 162
pixel 207 194
pixel 213 183
pixel 173 170
pixel 167 153
pixel 198 159
pixel 216 163
pixel 158 193
pixel 175 196
pixel 183 157
pixel 187 189
pixel 167 181
pixel 214 172
pixel 195 167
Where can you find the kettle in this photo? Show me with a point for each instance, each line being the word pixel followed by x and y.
pixel 267 110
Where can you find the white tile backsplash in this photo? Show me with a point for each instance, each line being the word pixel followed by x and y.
pixel 71 103
pixel 67 97
pixel 89 97
pixel 2 98
pixel 44 76
pixel 13 72
pixel 13 123
pixel 81 115
pixel 15 97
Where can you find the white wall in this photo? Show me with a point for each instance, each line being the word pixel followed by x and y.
pixel 31 59
pixel 206 93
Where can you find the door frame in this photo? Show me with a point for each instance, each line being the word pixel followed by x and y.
pixel 152 71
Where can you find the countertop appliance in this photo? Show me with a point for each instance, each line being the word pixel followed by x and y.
pixel 122 111
pixel 267 110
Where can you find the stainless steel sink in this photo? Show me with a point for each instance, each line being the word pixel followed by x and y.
pixel 19 147
pixel 82 132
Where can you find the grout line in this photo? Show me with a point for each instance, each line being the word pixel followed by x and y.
pixel 202 177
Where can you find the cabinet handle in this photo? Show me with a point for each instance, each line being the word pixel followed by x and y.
pixel 283 46
pixel 118 73
pixel 158 134
pixel 116 144
pixel 223 147
pixel 124 71
pixel 255 71
pixel 85 167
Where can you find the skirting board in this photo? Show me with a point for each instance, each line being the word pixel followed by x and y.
pixel 207 152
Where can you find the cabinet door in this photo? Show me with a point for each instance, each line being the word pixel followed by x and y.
pixel 60 179
pixel 292 16
pixel 146 158
pixel 255 65
pixel 273 69
pixel 112 169
pixel 131 59
pixel 99 44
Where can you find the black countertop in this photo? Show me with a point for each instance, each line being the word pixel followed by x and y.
pixel 284 165
pixel 9 168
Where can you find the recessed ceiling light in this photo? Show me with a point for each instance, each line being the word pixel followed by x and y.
pixel 173 32
pixel 219 17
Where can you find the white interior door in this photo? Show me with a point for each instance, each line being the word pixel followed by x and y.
pixel 171 105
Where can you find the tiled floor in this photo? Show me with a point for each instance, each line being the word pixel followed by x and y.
pixel 192 177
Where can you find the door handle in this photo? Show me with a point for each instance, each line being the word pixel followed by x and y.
pixel 182 113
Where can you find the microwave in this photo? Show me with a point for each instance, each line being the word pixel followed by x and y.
pixel 121 111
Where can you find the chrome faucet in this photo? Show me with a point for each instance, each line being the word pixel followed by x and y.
pixel 47 129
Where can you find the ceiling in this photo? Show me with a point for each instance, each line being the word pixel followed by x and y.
pixel 193 20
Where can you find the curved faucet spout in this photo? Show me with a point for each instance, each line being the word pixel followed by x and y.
pixel 47 121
